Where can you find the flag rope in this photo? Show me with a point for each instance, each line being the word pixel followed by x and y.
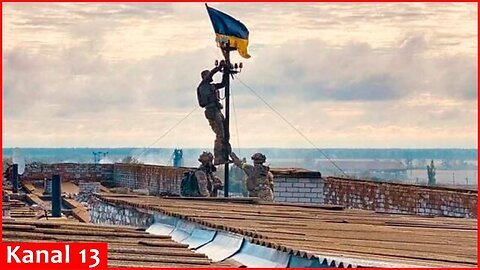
pixel 291 125
pixel 166 133
pixel 236 124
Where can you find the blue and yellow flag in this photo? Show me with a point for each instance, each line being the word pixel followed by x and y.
pixel 228 29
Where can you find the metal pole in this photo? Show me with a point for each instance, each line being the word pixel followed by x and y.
pixel 227 114
pixel 15 178
pixel 56 196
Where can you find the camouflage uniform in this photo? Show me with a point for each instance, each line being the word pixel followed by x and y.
pixel 216 120
pixel 208 98
pixel 208 182
pixel 217 185
pixel 259 178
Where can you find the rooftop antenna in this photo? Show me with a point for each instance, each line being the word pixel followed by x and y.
pixel 98 156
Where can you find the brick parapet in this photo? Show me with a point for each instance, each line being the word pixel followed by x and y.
pixel 158 180
pixel 290 185
pixel 68 171
pixel 298 190
pixel 400 198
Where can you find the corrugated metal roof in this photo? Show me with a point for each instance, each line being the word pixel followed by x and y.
pixel 351 235
pixel 19 209
pixel 127 246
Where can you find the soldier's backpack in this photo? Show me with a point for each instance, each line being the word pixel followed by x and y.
pixel 189 185
pixel 205 95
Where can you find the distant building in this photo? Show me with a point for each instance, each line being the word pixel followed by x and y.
pixel 370 169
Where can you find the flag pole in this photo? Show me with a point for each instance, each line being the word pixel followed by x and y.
pixel 227 113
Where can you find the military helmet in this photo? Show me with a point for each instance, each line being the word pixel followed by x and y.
pixel 205 157
pixel 205 73
pixel 259 158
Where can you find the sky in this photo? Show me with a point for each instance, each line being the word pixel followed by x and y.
pixel 346 75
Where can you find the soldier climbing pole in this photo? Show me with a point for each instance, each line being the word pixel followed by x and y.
pixel 231 35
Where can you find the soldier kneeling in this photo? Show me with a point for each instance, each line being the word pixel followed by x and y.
pixel 202 182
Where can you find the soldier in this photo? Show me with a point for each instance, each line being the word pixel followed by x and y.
pixel 209 98
pixel 259 177
pixel 208 182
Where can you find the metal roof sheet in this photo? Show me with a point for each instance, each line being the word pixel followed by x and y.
pixel 127 246
pixel 352 235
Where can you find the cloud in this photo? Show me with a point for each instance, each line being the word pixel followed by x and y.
pixel 311 70
pixel 122 74
pixel 78 81
pixel 455 77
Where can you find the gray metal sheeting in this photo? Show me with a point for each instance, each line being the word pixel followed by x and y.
pixel 253 255
pixel 300 262
pixel 162 225
pixel 223 246
pixel 182 231
pixel 160 229
pixel 199 237
pixel 220 245
pixel 165 219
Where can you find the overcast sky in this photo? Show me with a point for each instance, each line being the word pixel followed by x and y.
pixel 347 75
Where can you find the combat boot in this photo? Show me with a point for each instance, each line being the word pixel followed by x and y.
pixel 226 150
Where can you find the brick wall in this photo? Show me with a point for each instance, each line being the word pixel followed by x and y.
pixel 301 186
pixel 298 190
pixel 106 213
pixel 68 171
pixel 86 190
pixel 400 198
pixel 297 185
pixel 159 180
pixel 290 185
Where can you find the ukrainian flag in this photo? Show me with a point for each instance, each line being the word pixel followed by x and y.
pixel 228 29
